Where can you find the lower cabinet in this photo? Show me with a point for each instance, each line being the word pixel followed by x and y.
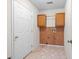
pixel 52 36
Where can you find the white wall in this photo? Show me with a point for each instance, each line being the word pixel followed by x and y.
pixel 9 28
pixel 51 13
pixel 34 34
pixel 68 29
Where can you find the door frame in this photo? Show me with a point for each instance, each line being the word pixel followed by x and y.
pixel 12 30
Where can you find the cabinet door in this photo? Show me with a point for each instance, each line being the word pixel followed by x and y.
pixel 60 17
pixel 59 37
pixel 43 36
pixel 50 36
pixel 41 20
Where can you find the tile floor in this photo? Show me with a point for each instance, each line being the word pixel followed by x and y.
pixel 47 52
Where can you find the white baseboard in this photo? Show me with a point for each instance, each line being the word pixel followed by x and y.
pixel 52 45
pixel 27 55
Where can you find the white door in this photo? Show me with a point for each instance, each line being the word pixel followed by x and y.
pixel 69 49
pixel 68 29
pixel 22 46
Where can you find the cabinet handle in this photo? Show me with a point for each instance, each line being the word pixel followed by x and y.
pixel 48 37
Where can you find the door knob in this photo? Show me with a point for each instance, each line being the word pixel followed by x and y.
pixel 70 41
pixel 16 37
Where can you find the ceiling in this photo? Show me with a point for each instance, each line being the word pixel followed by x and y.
pixel 53 4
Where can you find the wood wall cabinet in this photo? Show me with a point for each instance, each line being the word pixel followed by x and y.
pixel 41 21
pixel 52 35
pixel 60 19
